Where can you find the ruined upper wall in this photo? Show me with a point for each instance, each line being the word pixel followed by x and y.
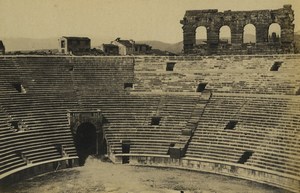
pixel 236 21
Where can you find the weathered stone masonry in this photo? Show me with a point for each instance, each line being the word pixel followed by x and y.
pixel 213 20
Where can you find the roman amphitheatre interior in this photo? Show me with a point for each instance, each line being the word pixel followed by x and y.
pixel 223 115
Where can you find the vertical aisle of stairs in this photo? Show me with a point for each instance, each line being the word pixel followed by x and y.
pixel 160 106
pixel 180 148
pixel 75 86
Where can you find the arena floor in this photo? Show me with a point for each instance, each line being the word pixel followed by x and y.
pixel 99 176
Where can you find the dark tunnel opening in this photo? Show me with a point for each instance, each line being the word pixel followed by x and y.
pixel 85 141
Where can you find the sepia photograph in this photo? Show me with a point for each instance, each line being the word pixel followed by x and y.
pixel 149 96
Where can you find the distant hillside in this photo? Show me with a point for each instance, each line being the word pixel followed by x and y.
pixel 174 48
pixel 23 44
pixel 178 47
pixel 26 44
pixel 15 44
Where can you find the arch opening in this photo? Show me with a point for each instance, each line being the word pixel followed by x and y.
pixel 85 141
pixel 274 33
pixel 249 35
pixel 201 35
pixel 225 35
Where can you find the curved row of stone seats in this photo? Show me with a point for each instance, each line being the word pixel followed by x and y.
pixel 33 110
pixel 5 128
pixel 42 154
pixel 35 73
pixel 40 125
pixel 104 74
pixel 9 75
pixel 11 162
pixel 8 160
pixel 37 91
pixel 12 148
pixel 267 126
pixel 124 115
pixel 79 73
pixel 66 74
pixel 281 151
pixel 225 75
pixel 129 119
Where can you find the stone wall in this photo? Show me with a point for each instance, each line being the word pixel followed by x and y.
pixel 32 170
pixel 228 169
pixel 213 20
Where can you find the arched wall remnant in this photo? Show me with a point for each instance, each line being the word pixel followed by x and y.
pixel 236 21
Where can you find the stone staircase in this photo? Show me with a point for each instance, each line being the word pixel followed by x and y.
pixel 179 149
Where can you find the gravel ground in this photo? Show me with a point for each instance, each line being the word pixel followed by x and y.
pixel 97 176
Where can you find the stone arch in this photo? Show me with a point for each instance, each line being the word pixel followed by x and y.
pixel 88 133
pixel 274 33
pixel 225 34
pixel 249 33
pixel 201 34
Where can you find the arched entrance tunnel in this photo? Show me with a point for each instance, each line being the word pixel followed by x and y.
pixel 89 142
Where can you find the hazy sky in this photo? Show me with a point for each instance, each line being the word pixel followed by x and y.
pixel 134 19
